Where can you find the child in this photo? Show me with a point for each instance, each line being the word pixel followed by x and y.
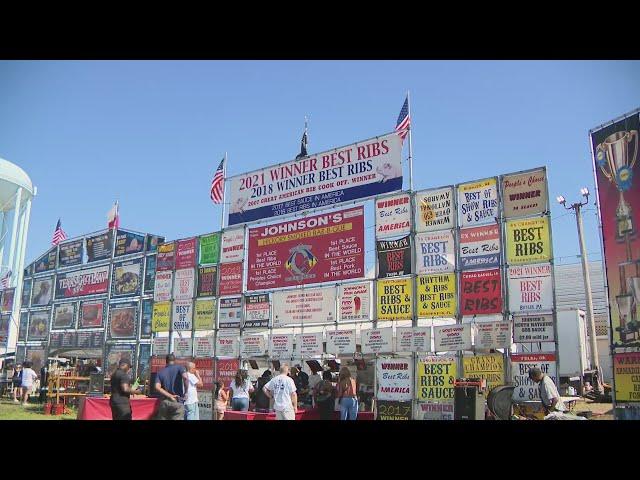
pixel 221 397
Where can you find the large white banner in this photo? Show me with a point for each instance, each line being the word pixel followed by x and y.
pixel 533 328
pixel 413 339
pixel 404 339
pixel 525 388
pixel 377 340
pixel 204 346
pixel 449 338
pixel 252 346
pixel 530 288
pixel 341 342
pixel 355 302
pixel 435 252
pixel 227 346
pixel 393 216
pixel 182 315
pixel 281 345
pixel 493 335
pixel 304 306
pixel 232 249
pixel 182 347
pixel 478 202
pixel 230 314
pixel 395 380
pixel 162 286
pixel 160 346
pixel 309 344
pixel 434 210
pixel 184 284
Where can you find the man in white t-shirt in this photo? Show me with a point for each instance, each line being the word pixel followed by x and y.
pixel 283 391
pixel 548 392
pixel 28 377
pixel 191 411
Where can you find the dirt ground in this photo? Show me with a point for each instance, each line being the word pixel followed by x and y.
pixel 600 411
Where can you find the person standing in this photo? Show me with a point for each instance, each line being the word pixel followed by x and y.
pixel 324 396
pixel 191 410
pixel 171 384
pixel 27 380
pixel 240 389
pixel 262 401
pixel 283 390
pixel 16 383
pixel 221 397
pixel 346 392
pixel 121 391
pixel 548 392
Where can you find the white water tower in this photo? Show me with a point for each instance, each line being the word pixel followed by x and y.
pixel 16 193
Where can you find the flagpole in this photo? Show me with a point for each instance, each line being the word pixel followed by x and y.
pixel 224 189
pixel 410 144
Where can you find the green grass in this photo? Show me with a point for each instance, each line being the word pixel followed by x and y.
pixel 33 411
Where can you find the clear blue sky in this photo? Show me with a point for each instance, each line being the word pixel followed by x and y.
pixel 150 134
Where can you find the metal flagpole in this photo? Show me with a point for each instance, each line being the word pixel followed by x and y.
pixel 410 144
pixel 224 189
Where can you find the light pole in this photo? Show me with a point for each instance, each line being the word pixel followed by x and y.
pixel 577 207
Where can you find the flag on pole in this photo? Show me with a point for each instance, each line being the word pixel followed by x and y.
pixel 303 145
pixel 113 217
pixel 4 283
pixel 217 184
pixel 404 120
pixel 58 235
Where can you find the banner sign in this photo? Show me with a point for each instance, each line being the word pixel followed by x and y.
pixel 528 241
pixel 227 346
pixel 161 346
pixel 355 301
pixel 182 315
pixel 144 361
pixel 205 404
pixel 480 247
pixel 320 248
pixel 481 292
pixel 341 342
pixel 435 378
pixel 207 281
pixel 126 278
pixel 115 352
pixel 46 262
pixel 147 315
pixel 153 241
pixel 449 338
pixel 186 253
pixel 533 328
pixel 524 193
pixel 413 339
pixel 230 312
pixel 393 216
pixel 281 346
pixel 92 314
pixel 437 296
pixel 55 339
pixel 204 317
pixel 8 295
pixel 252 346
pixel 184 284
pixel 230 278
pixel 530 288
pixel 5 324
pixel 26 292
pixel 70 254
pixel 435 252
pixel 232 245
pixel 43 289
pixel 490 367
pixel 304 306
pixel 163 286
pixel 257 311
pixel 166 256
pixel 377 340
pixel 182 347
pixel 395 299
pixel 309 344
pixel 64 315
pixel 123 320
pixel 226 370
pixel 128 243
pixel 626 372
pixel 394 257
pixel 67 340
pixel 434 411
pixel 99 247
pixel 210 248
pixel 395 380
pixel 361 170
pixel 22 328
pixel 478 202
pixel 206 368
pixel 79 283
pixel 492 335
pixel 617 171
pixel 391 410
pixel 434 210
pixel 149 274
pixel 161 316
pixel 525 388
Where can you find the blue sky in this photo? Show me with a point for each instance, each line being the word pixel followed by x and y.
pixel 151 133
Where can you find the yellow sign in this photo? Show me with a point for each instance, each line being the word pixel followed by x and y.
pixel 204 316
pixel 436 295
pixel 161 317
pixel 626 374
pixel 528 241
pixel 489 367
pixel 395 301
pixel 435 377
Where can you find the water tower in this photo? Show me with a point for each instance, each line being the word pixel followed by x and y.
pixel 16 193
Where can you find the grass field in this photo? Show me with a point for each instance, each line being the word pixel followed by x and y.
pixel 33 411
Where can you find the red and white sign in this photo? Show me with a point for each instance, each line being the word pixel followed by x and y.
pixel 227 346
pixel 183 286
pixel 281 345
pixel 204 346
pixel 525 389
pixel 481 292
pixel 377 340
pixel 161 346
pixel 449 338
pixel 530 288
pixel 186 253
pixel 205 368
pixel 309 344
pixel 413 339
pixel 320 248
pixel 252 346
pixel 393 216
pixel 296 307
pixel 230 279
pixel 226 370
pixel 404 339
pixel 355 302
pixel 395 380
pixel 493 335
pixel 341 342
pixel 182 347
pixel 162 286
pixel 232 245
pixel 480 247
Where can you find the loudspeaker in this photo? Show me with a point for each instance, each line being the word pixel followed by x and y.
pixel 468 404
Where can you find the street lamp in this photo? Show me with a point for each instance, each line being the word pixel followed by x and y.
pixel 577 207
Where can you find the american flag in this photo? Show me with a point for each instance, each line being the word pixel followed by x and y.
pixel 404 120
pixel 217 184
pixel 58 235
pixel 4 283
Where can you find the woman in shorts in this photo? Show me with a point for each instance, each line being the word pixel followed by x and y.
pixel 221 397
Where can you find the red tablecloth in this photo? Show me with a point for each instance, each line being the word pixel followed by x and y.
pixel 312 414
pixel 97 408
